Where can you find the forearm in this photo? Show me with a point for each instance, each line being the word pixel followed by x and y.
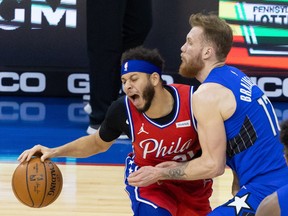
pixel 80 148
pixel 195 169
pixel 199 168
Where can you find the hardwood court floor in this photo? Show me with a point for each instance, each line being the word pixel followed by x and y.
pixel 88 190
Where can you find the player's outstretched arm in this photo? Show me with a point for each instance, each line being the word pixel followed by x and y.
pixel 80 148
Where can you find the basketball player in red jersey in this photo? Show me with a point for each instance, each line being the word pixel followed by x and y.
pixel 158 120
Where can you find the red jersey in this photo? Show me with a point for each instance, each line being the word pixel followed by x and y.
pixel 176 140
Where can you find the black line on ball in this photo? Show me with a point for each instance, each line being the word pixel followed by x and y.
pixel 45 188
pixel 27 184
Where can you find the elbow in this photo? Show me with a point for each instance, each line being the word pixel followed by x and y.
pixel 220 171
pixel 215 169
pixel 220 168
pixel 97 145
pixel 102 149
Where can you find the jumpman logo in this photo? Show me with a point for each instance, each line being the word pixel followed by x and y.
pixel 142 130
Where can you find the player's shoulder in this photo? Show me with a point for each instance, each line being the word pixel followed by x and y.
pixel 212 98
pixel 212 91
pixel 208 92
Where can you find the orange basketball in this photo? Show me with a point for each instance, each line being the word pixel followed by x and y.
pixel 37 184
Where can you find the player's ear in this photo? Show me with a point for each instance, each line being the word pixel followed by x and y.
pixel 207 52
pixel 155 78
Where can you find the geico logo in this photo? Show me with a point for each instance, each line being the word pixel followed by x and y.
pixel 272 86
pixel 78 83
pixel 13 82
pixel 27 111
pixel 39 9
pixel 76 113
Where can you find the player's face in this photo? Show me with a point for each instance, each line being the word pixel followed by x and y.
pixel 191 54
pixel 139 90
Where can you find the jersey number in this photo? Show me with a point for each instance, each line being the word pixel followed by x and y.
pixel 265 102
pixel 184 157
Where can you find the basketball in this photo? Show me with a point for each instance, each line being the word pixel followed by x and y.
pixel 37 184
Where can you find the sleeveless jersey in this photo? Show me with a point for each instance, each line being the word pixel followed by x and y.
pixel 253 147
pixel 175 140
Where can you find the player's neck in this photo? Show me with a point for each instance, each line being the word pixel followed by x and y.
pixel 203 74
pixel 162 104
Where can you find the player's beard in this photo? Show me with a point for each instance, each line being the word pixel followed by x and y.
pixel 192 68
pixel 148 95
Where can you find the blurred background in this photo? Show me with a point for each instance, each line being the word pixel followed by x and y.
pixel 43 43
pixel 44 77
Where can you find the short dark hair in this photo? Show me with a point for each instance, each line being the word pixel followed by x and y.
pixel 141 53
